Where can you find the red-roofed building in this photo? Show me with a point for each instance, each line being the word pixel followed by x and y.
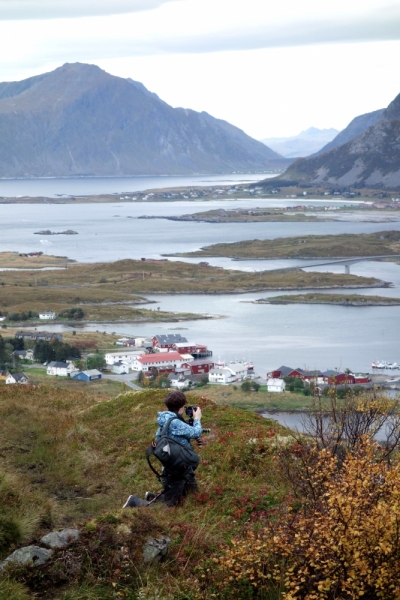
pixel 162 361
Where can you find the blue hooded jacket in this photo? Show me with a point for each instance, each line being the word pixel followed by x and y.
pixel 178 429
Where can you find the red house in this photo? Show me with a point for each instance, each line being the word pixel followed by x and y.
pixel 336 378
pixel 286 372
pixel 167 341
pixel 184 347
pixel 362 379
pixel 200 366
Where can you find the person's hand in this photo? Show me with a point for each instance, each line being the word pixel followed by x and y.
pixel 197 413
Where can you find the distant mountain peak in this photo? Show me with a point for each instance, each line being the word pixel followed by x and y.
pixel 305 143
pixel 80 120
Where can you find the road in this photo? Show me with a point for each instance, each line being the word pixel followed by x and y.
pixel 123 379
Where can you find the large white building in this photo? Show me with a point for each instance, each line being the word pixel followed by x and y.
pixel 159 360
pixel 239 369
pixel 126 356
pixel 222 376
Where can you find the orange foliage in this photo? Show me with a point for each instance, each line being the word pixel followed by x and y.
pixel 342 541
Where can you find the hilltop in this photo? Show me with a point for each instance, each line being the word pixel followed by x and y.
pixel 79 120
pixel 74 457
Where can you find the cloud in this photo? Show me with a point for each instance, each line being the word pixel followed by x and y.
pixel 53 9
pixel 372 27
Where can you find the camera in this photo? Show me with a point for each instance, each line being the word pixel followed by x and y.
pixel 189 411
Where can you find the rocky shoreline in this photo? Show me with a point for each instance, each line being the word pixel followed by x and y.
pixel 342 303
pixel 48 232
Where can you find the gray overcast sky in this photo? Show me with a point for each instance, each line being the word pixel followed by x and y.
pixel 270 67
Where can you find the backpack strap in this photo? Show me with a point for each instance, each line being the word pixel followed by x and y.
pixel 149 452
pixel 150 449
pixel 164 430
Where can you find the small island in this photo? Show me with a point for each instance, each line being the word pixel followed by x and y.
pixel 48 232
pixel 344 245
pixel 335 299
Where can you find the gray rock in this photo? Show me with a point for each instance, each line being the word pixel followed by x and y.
pixel 60 539
pixel 154 550
pixel 30 555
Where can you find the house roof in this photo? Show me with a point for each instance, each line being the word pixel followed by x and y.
pixel 285 370
pixel 201 361
pixel 237 367
pixel 184 344
pixel 331 373
pixel 153 358
pixel 173 376
pixel 220 371
pixel 19 352
pixel 58 364
pixel 92 372
pixel 170 338
pixel 19 376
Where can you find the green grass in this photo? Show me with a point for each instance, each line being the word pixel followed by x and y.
pixel 228 395
pixel 91 285
pixel 311 246
pixel 340 299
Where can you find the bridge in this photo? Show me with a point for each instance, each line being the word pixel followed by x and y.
pixel 346 262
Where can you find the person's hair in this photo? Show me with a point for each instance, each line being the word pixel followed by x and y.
pixel 174 401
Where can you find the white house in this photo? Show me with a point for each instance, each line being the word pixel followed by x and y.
pixel 120 368
pixel 24 354
pixel 62 369
pixel 126 356
pixel 239 369
pixel 2 318
pixel 47 315
pixel 19 378
pixel 178 381
pixel 222 376
pixel 276 385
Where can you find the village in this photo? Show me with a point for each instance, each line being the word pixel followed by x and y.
pixel 180 364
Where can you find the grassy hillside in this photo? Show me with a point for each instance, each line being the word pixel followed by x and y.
pixel 71 459
pixel 310 246
pixel 107 291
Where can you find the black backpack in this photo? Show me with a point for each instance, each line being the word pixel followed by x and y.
pixel 173 455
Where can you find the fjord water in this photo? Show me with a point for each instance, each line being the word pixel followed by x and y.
pixel 84 186
pixel 313 336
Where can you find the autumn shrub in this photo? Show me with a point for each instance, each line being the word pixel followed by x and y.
pixel 341 540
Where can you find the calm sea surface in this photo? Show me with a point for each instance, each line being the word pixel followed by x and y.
pixel 81 186
pixel 299 336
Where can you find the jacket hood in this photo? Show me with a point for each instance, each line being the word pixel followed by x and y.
pixel 164 416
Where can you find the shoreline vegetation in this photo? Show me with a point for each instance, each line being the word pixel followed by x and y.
pixel 314 247
pixel 333 299
pixel 301 214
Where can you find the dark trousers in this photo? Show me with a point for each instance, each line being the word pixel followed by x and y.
pixel 177 485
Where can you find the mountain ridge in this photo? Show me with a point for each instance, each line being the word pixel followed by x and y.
pixel 371 159
pixel 79 120
pixel 357 126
